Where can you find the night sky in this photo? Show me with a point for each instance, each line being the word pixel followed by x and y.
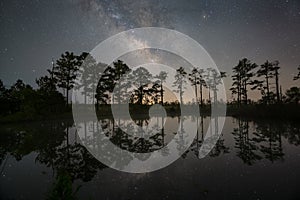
pixel 34 32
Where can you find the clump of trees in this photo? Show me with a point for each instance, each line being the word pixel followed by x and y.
pixel 248 74
pixel 145 88
pixel 298 75
pixel 119 84
pixel 118 81
pixel 22 99
pixel 242 78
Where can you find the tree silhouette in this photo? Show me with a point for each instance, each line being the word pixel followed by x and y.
pixel 65 72
pixel 237 82
pixel 202 84
pixel 293 95
pixel 2 88
pixel 266 70
pixel 141 78
pixel 242 77
pixel 180 81
pixel 193 77
pixel 120 88
pixel 104 86
pixel 276 74
pixel 46 83
pixel 213 79
pixel 298 75
pixel 89 73
pixel 50 100
pixel 162 78
pixel 4 101
pixel 22 97
pixel 153 93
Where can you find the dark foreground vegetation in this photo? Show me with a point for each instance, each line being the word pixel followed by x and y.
pixel 51 99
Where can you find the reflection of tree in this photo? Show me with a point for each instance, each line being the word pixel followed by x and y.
pixel 214 144
pixel 181 139
pixel 220 147
pixel 132 143
pixel 69 161
pixel 196 144
pixel 62 188
pixel 246 146
pixel 74 159
pixel 270 141
pixel 266 140
pixel 292 133
pixel 24 139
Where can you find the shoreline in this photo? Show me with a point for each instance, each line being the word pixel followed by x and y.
pixel 252 112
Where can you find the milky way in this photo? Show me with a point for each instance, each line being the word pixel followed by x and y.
pixel 34 32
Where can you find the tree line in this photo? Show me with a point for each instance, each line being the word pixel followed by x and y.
pixel 117 81
pixel 248 75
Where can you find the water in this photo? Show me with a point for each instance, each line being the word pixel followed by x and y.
pixel 251 160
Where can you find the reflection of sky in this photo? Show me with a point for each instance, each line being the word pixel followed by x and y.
pixel 34 32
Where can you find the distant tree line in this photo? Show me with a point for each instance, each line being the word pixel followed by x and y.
pixel 117 81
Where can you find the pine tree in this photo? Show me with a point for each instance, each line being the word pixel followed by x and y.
pixel 180 81
pixel 65 72
pixel 162 78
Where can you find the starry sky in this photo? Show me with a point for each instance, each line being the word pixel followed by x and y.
pixel 34 32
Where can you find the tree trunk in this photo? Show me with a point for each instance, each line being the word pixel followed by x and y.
pixel 196 92
pixel 67 97
pixel 201 97
pixel 277 86
pixel 246 95
pixel 161 94
pixel 180 92
pixel 215 96
pixel 97 104
pixel 209 95
pixel 268 90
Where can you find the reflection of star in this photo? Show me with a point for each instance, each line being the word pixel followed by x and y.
pixel 116 16
pixel 205 15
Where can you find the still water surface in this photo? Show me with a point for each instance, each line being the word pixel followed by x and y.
pixel 251 160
